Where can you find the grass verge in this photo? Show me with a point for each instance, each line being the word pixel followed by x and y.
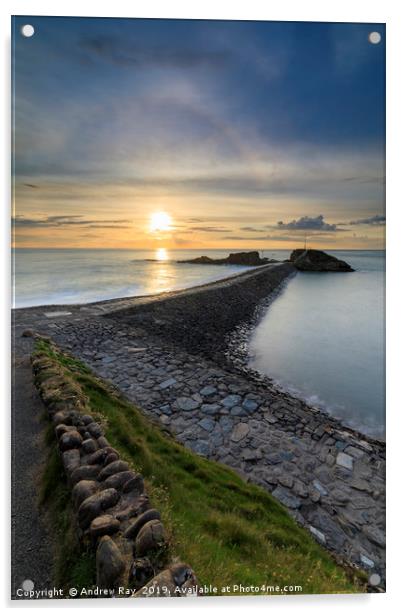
pixel 74 564
pixel 230 532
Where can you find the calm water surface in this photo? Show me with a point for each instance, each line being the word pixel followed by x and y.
pixel 323 339
pixel 81 276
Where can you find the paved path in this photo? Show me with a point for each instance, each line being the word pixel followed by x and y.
pixel 31 543
pixel 329 477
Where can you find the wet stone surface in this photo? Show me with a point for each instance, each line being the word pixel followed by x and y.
pixel 330 478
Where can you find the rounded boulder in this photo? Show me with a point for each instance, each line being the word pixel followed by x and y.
pixel 151 537
pixel 70 440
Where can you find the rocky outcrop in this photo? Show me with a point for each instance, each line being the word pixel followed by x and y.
pixel 317 261
pixel 236 258
pixel 113 512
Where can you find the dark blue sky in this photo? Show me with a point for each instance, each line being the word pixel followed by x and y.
pixel 266 120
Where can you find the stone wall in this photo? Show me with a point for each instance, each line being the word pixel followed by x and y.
pixel 200 318
pixel 113 513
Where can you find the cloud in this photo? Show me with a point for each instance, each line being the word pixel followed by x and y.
pixel 129 54
pixel 374 221
pixel 69 220
pixel 368 179
pixel 315 225
pixel 210 229
pixel 308 223
pixel 180 241
pixel 185 117
pixel 263 238
pixel 360 237
pixel 113 226
pixel 316 237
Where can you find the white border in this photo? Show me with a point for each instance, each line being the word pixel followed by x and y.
pixel 388 11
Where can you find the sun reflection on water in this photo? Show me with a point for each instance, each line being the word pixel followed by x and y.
pixel 161 254
pixel 162 274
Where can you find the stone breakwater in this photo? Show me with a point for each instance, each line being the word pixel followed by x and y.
pixel 113 512
pixel 330 478
pixel 200 318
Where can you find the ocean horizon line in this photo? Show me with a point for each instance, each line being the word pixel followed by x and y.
pixel 197 249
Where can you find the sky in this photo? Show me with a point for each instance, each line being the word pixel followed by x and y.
pixel 136 133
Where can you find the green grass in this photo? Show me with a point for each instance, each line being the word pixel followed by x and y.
pixel 229 531
pixel 74 564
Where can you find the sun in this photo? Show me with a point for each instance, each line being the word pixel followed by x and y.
pixel 160 221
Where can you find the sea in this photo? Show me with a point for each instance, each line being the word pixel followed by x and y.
pixel 323 338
